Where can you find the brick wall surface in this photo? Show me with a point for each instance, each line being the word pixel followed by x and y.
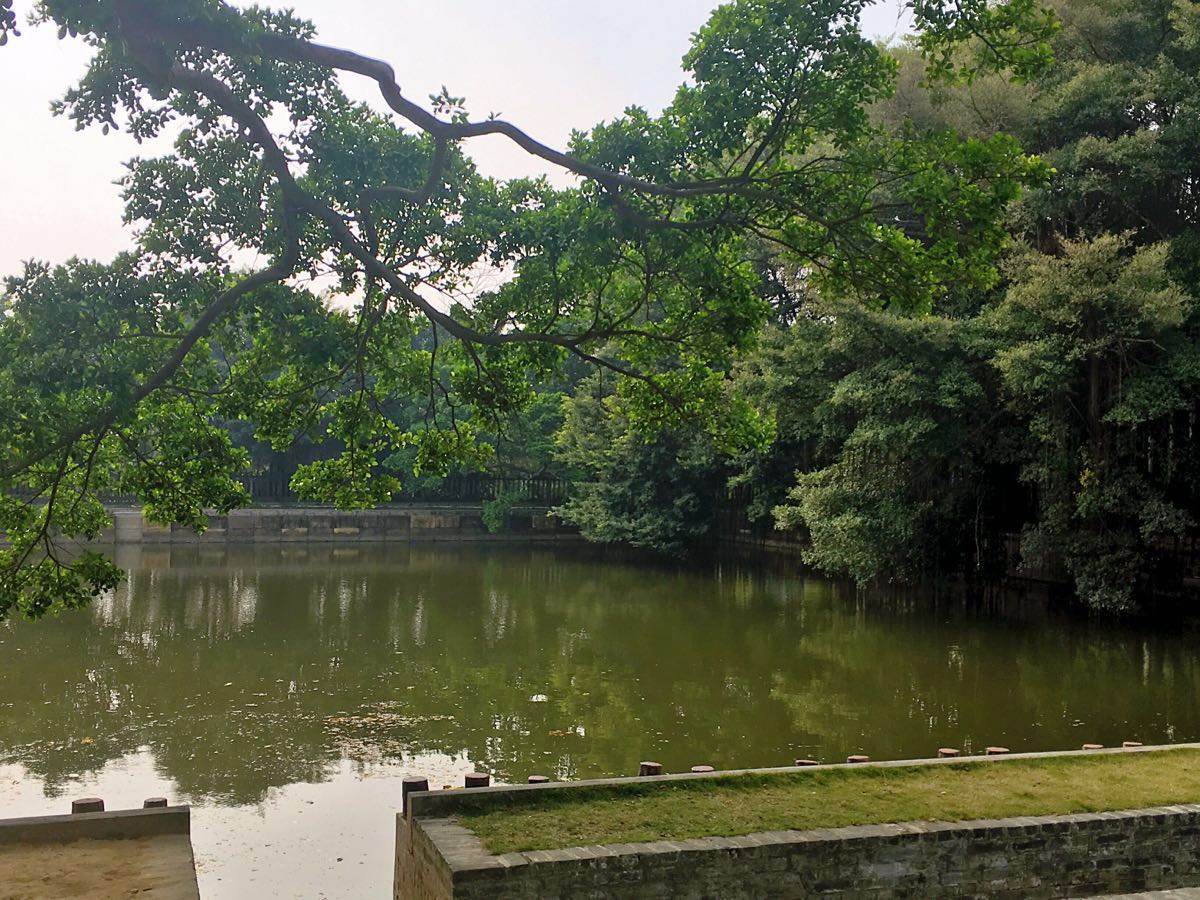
pixel 1048 857
pixel 1043 857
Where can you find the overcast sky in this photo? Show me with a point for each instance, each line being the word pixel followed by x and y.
pixel 546 65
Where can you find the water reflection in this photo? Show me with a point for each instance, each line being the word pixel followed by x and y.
pixel 234 675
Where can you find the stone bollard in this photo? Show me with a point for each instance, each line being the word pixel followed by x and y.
pixel 87 805
pixel 996 751
pixel 649 768
pixel 155 803
pixel 807 762
pixel 948 753
pixel 477 779
pixel 702 770
pixel 1130 744
pixel 410 785
pixel 858 759
pixel 538 779
pixel 1093 746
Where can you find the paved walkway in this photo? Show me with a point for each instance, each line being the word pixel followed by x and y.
pixel 1181 894
pixel 149 868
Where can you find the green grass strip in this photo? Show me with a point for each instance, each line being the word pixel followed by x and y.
pixel 832 798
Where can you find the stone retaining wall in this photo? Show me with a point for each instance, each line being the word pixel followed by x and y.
pixel 119 824
pixel 123 853
pixel 323 524
pixel 1042 857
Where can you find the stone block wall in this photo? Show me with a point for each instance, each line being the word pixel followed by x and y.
pixel 322 524
pixel 1046 857
pixel 121 824
pixel 421 871
pixel 1042 857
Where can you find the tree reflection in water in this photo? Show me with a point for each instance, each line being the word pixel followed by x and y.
pixel 242 671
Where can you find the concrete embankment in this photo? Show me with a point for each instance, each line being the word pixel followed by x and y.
pixel 100 855
pixel 324 524
pixel 438 857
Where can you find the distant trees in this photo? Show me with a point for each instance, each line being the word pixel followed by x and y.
pixel 659 494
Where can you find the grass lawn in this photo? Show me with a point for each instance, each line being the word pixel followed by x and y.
pixel 866 795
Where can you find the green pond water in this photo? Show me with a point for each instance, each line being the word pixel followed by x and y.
pixel 285 691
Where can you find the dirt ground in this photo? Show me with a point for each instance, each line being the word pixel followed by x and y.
pixel 152 868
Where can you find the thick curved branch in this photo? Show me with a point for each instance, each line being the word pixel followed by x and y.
pixel 231 105
pixel 144 21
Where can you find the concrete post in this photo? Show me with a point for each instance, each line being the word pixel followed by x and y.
pixel 477 779
pixel 948 753
pixel 1128 744
pixel 538 779
pixel 649 768
pixel 155 803
pixel 701 770
pixel 412 784
pixel 858 759
pixel 1093 746
pixel 996 751
pixel 87 805
pixel 807 762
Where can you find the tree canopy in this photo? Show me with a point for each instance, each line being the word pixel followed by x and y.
pixel 1057 405
pixel 382 239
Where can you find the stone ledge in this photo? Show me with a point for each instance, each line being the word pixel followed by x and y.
pixel 440 804
pixel 1020 857
pixel 115 825
pixel 448 833
pixel 859 861
pixel 319 523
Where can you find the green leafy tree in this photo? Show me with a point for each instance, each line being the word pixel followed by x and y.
pixel 1074 400
pixel 1108 422
pixel 642 269
pixel 899 458
pixel 658 490
pixel 1099 357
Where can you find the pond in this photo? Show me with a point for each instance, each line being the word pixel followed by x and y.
pixel 285 691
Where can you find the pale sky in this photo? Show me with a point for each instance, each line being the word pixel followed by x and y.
pixel 546 65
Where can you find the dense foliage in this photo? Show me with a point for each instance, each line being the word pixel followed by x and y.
pixel 1058 404
pixel 382 236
